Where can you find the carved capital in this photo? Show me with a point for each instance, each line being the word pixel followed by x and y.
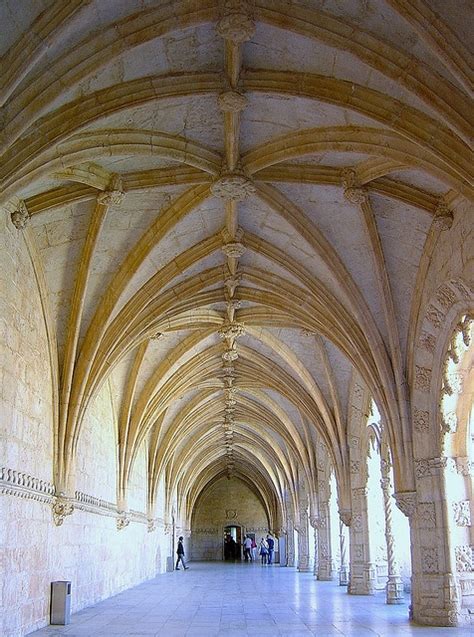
pixel 123 520
pixel 151 525
pixel 406 502
pixel 443 218
pixel 232 101
pixel 20 216
pixel 353 191
pixel 62 507
pixel 346 516
pixel 113 195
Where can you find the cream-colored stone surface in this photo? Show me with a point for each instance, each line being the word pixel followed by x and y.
pixel 226 502
pixel 198 290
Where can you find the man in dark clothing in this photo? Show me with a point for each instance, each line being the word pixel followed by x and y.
pixel 180 554
pixel 271 547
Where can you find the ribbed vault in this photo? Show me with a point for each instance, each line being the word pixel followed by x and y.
pixel 235 228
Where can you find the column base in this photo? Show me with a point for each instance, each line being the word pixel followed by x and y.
pixel 394 590
pixel 343 576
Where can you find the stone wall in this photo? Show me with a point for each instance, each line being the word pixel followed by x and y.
pixel 225 503
pixel 87 549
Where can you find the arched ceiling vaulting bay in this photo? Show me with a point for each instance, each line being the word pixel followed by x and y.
pixel 230 207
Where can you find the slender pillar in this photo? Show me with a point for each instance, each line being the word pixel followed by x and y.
pixel 325 553
pixel 290 544
pixel 343 568
pixel 303 543
pixel 394 587
pixel 362 571
pixel 314 521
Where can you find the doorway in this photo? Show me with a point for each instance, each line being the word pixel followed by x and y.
pixel 232 543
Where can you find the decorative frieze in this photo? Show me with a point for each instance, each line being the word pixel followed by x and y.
pixel 426 515
pixel 23 485
pixel 462 513
pixel 20 216
pixel 464 558
pixel 429 560
pixel 422 378
pixel 360 492
pixel 446 296
pixel 355 466
pixel 428 341
pixel 427 467
pixel 421 420
pixel 434 316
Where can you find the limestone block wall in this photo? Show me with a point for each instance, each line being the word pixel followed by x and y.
pixel 226 502
pixel 87 549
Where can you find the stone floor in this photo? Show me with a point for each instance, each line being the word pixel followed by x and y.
pixel 241 599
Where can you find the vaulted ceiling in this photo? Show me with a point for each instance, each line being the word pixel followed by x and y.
pixel 231 208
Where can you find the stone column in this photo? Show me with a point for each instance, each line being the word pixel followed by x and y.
pixel 436 563
pixel 394 587
pixel 314 521
pixel 362 570
pixel 343 569
pixel 303 543
pixel 290 544
pixel 325 553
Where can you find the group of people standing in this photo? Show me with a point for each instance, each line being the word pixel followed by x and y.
pixel 266 549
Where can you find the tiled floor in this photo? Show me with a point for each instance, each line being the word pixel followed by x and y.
pixel 242 599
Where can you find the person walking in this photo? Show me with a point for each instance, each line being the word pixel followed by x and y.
pixel 271 547
pixel 254 549
pixel 248 548
pixel 263 550
pixel 180 554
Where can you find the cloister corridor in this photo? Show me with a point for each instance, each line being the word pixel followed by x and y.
pixel 240 600
pixel 237 302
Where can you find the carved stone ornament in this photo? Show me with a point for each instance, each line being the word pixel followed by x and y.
pixel 151 525
pixel 232 101
pixel 429 560
pixel 462 513
pixel 426 515
pixel 231 330
pixel 434 315
pixel 230 355
pixel 446 297
pixel 236 23
pixel 443 218
pixel 233 249
pixel 406 502
pixel 114 193
pixel 346 516
pixel 422 378
pixel 355 466
pixel 353 191
pixel 357 524
pixel 421 420
pixel 123 520
pixel 20 216
pixel 62 507
pixel 464 559
pixel 233 185
pixel 428 342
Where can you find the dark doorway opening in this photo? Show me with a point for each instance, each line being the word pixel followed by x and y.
pixel 232 543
